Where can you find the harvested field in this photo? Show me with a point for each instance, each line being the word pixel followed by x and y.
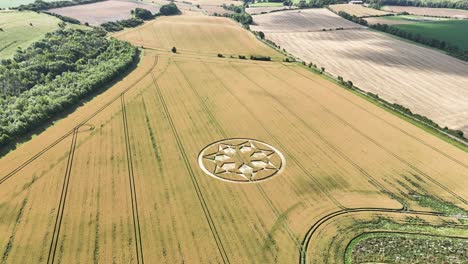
pixel 426 81
pixel 207 35
pixel 267 9
pixel 427 11
pixel 118 180
pixel 101 12
pixel 357 10
pixel 300 21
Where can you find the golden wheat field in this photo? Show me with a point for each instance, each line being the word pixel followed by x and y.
pixel 142 173
pixel 426 81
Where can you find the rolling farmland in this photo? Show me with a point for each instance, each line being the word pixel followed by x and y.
pixel 165 33
pixel 101 12
pixel 300 21
pixel 119 179
pixel 357 10
pixel 18 32
pixel 426 81
pixel 427 11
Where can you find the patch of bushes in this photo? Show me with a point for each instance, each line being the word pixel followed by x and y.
pixel 121 24
pixel 70 20
pixel 244 18
pixel 56 73
pixel 234 8
pixel 260 58
pixel 169 10
pixel 140 14
pixel 143 14
pixel 463 4
pixel 112 26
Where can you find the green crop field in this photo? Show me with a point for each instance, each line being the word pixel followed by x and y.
pixel 21 29
pixel 451 31
pixel 15 3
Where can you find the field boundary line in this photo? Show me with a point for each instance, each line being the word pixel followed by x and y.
pixel 47 148
pixel 385 121
pixel 62 201
pixel 224 134
pixel 131 178
pixel 195 183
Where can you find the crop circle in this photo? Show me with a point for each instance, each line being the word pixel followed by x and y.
pixel 241 160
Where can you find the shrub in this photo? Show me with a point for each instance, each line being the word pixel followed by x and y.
pixel 259 57
pixel 142 13
pixel 169 10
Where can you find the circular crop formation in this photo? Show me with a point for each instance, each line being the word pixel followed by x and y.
pixel 241 160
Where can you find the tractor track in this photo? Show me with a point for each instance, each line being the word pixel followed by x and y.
pixel 190 171
pixel 62 200
pixel 131 178
pixel 60 139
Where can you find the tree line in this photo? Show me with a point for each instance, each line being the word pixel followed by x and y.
pixel 42 5
pixel 452 49
pixel 56 73
pixel 463 4
pixel 139 15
